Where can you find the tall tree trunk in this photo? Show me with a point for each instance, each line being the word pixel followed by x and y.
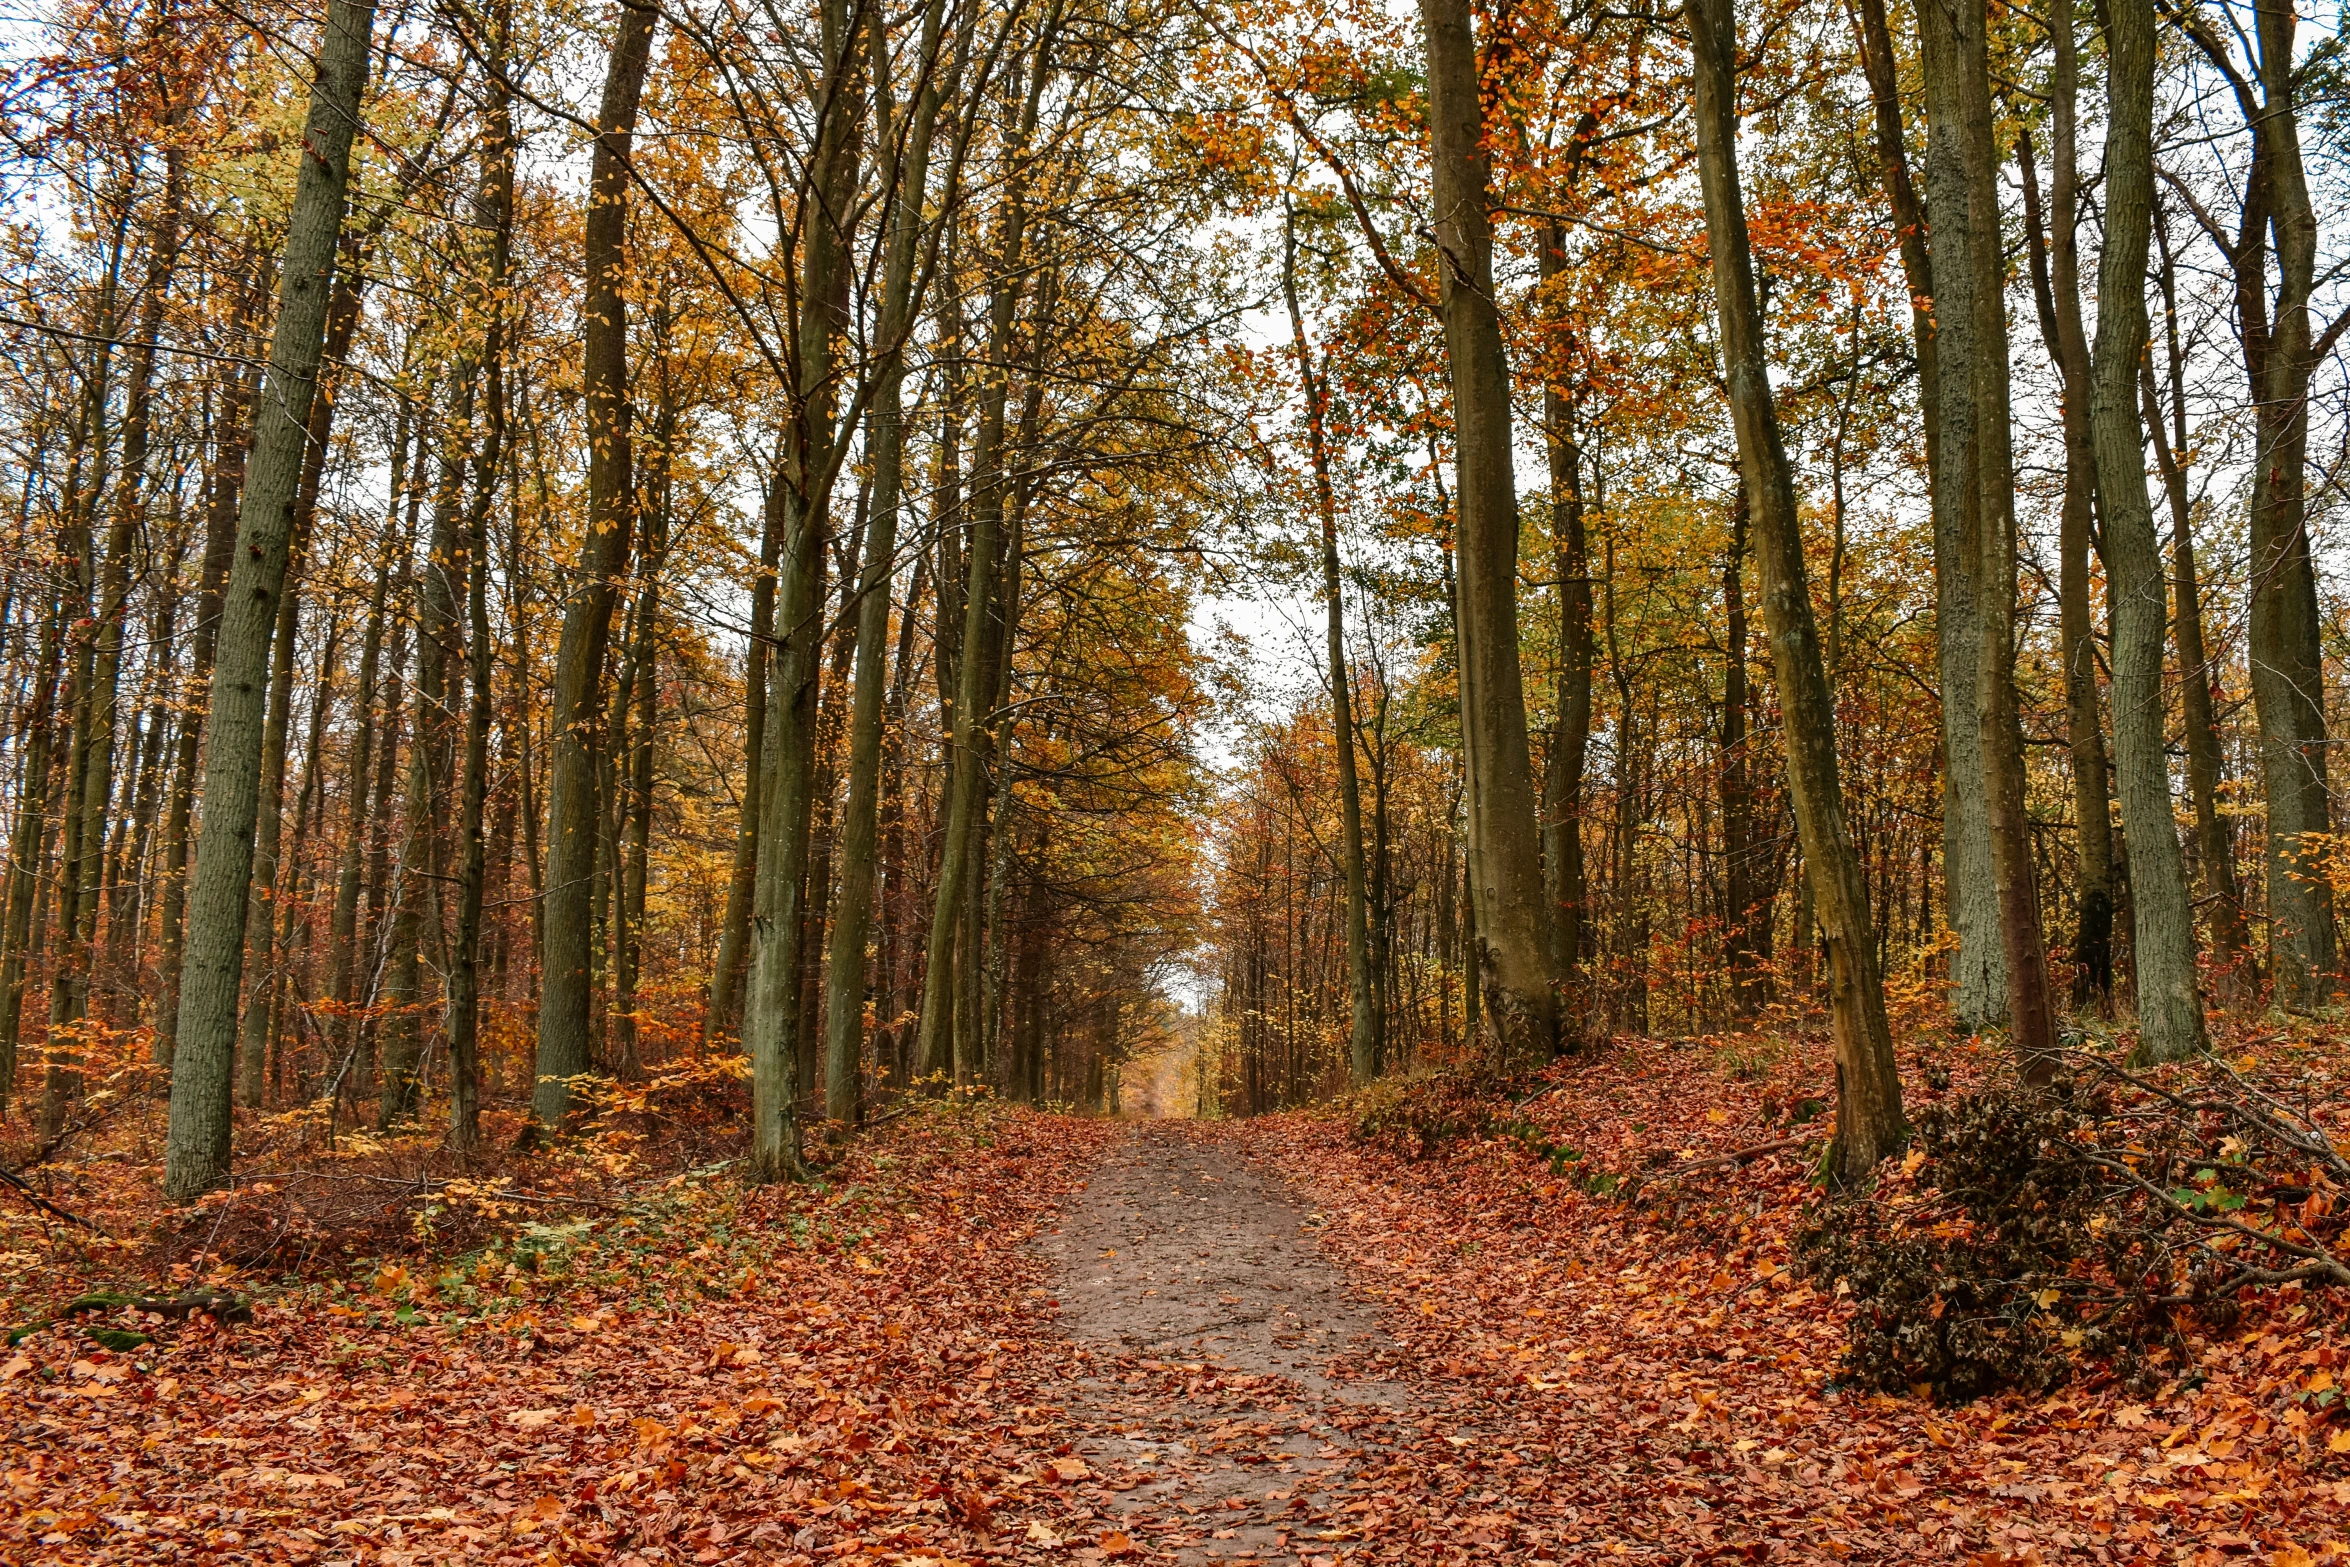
pixel 726 974
pixel 1564 879
pixel 196 1154
pixel 772 1001
pixel 28 844
pixel 2056 287
pixel 1514 953
pixel 936 1050
pixel 1869 1121
pixel 1958 58
pixel 572 817
pixel 343 931
pixel 497 206
pixel 852 921
pixel 1746 910
pixel 431 760
pixel 2170 1013
pixel 100 581
pixel 2198 673
pixel 1979 976
pixel 2288 666
pixel 224 485
pixel 1366 1034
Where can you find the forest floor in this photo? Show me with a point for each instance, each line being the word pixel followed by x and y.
pixel 995 1335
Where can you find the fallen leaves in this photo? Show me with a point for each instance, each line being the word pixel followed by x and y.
pixel 625 1385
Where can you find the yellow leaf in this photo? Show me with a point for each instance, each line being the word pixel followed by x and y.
pixel 2339 1442
pixel 1718 1117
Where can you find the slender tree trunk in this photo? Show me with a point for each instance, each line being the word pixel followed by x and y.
pixel 936 1049
pixel 2288 665
pixel 196 1155
pixel 2056 287
pixel 1514 952
pixel 1367 1044
pixel 2170 1012
pixel 343 932
pixel 1746 909
pixel 852 922
pixel 772 1002
pixel 572 817
pixel 224 485
pixel 497 206
pixel 726 975
pixel 1564 879
pixel 28 844
pixel 2198 673
pixel 1869 1121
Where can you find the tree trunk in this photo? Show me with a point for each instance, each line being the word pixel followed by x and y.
pixel 936 1050
pixel 2288 665
pixel 28 844
pixel 726 974
pixel 2170 1013
pixel 343 932
pixel 196 1154
pixel 2056 287
pixel 1960 59
pixel 223 486
pixel 810 462
pixel 2198 674
pixel 1869 1121
pixel 572 817
pixel 497 206
pixel 1564 879
pixel 1514 955
pixel 1979 976
pixel 1366 1035
pixel 852 921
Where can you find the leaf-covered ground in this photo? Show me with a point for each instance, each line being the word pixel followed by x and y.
pixel 1652 1378
pixel 1574 1336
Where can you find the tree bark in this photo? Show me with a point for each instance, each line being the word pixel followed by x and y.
pixel 1979 998
pixel 1514 954
pixel 497 206
pixel 1564 878
pixel 772 1002
pixel 1869 1120
pixel 2198 673
pixel 572 817
pixel 1366 1035
pixel 2056 287
pixel 196 1154
pixel 1962 58
pixel 2170 1012
pixel 852 921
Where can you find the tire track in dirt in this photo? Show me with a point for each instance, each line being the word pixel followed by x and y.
pixel 1217 1343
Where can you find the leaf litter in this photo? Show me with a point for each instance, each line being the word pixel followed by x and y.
pixel 1554 1320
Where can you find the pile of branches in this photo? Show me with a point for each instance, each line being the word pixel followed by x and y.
pixel 2035 1233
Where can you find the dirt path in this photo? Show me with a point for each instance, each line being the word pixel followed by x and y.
pixel 1232 1412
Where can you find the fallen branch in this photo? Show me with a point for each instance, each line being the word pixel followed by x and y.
pixel 25 1190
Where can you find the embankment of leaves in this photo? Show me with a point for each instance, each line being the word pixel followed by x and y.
pixel 1691 1382
pixel 2037 1234
pixel 793 1372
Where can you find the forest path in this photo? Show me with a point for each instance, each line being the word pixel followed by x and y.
pixel 1224 1423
